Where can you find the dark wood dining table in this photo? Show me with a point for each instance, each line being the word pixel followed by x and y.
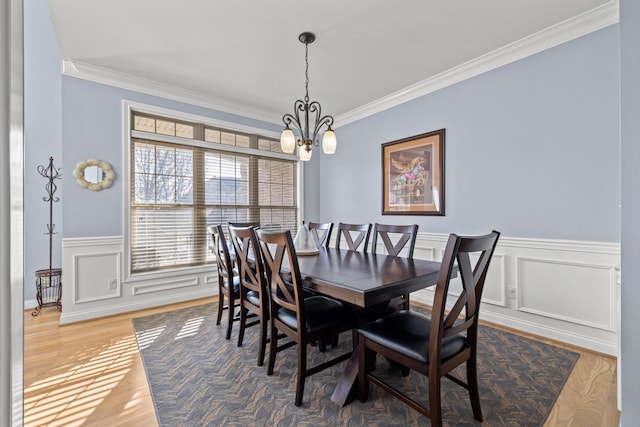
pixel 363 279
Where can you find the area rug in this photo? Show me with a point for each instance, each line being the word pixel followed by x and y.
pixel 197 378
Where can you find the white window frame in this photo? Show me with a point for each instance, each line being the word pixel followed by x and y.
pixel 130 106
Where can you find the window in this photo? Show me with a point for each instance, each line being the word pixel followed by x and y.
pixel 185 176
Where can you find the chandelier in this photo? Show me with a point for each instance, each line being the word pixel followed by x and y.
pixel 307 135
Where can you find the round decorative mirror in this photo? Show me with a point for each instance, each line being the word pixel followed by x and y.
pixel 94 174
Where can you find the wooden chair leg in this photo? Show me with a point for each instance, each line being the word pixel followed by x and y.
pixel 474 393
pixel 354 339
pixel 243 325
pixel 334 340
pixel 220 305
pixel 405 371
pixel 435 407
pixel 230 315
pixel 273 348
pixel 302 370
pixel 263 341
pixel 406 301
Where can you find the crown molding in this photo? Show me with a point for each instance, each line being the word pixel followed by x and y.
pixel 588 22
pixel 127 81
pixel 555 35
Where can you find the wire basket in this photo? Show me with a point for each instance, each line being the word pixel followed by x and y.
pixel 48 289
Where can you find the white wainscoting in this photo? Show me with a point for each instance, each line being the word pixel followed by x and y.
pixel 563 290
pixel 94 285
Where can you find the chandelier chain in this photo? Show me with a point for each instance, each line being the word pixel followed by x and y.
pixel 306 71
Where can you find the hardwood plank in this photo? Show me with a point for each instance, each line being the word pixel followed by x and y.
pixel 90 373
pixel 589 396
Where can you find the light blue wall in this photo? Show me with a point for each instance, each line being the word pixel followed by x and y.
pixel 92 126
pixel 43 139
pixel 532 149
pixel 630 88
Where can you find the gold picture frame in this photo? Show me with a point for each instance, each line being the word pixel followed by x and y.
pixel 413 175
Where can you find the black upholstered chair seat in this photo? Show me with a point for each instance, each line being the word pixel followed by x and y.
pixel 321 313
pixel 407 332
pixel 236 286
pixel 253 297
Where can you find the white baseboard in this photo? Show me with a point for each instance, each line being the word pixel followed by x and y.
pixel 565 336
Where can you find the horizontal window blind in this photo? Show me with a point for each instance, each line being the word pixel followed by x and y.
pixel 177 189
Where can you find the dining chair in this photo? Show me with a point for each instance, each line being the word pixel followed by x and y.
pixel 253 285
pixel 321 235
pixel 434 345
pixel 228 280
pixel 321 232
pixel 398 240
pixel 303 320
pixel 356 236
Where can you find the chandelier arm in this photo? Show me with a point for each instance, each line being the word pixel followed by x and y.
pixel 327 120
pixel 294 120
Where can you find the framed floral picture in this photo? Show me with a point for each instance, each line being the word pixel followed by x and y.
pixel 413 175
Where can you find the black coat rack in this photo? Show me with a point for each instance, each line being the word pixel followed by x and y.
pixel 48 281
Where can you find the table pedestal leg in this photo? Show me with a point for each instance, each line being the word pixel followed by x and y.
pixel 347 384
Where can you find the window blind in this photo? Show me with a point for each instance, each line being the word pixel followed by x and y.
pixel 180 187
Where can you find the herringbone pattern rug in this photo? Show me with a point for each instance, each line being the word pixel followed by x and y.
pixel 197 378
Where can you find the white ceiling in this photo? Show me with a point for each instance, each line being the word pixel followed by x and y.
pixel 245 55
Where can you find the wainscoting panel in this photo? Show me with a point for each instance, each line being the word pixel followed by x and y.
pixel 557 289
pixel 165 285
pixel 102 271
pixel 495 286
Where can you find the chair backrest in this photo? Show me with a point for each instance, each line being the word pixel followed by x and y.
pixel 356 236
pixel 255 224
pixel 218 246
pixel 395 238
pixel 472 276
pixel 284 288
pixel 321 232
pixel 249 260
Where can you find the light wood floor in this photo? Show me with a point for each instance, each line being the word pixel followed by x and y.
pixel 91 374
